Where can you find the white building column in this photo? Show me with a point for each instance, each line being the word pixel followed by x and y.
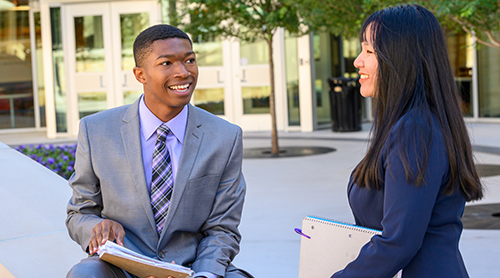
pixel 50 109
pixel 306 86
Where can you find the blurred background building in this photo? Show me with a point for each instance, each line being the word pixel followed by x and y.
pixel 61 60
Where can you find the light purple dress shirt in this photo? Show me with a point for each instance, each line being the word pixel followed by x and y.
pixel 174 142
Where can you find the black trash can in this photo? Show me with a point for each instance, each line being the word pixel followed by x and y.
pixel 345 104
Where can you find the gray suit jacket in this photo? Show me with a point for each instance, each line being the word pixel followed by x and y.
pixel 201 228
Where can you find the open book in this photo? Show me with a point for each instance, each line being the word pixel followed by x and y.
pixel 140 265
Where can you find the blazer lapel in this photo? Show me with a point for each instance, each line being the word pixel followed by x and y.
pixel 131 137
pixel 190 148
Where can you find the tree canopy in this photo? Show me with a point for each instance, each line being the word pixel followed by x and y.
pixel 479 18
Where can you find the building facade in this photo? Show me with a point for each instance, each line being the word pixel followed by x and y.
pixel 61 60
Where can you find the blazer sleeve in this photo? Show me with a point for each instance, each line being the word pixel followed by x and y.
pixel 407 211
pixel 222 238
pixel 84 207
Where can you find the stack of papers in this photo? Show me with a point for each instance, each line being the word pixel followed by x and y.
pixel 140 265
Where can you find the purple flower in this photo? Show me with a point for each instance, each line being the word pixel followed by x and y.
pixel 69 169
pixel 51 160
pixel 65 157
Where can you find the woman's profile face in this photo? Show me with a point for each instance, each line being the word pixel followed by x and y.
pixel 367 64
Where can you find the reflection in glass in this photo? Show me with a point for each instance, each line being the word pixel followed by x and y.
pixel 130 97
pixel 16 87
pixel 323 64
pixel 89 44
pixel 131 25
pixel 59 71
pixel 90 103
pixel 39 68
pixel 211 100
pixel 488 64
pixel 208 53
pixel 255 53
pixel 292 80
pixel 461 54
pixel 256 100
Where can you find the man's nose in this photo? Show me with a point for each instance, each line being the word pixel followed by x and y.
pixel 181 71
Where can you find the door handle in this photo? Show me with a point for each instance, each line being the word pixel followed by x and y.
pixel 218 78
pixel 243 77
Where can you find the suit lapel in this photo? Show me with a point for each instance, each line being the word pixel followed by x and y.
pixel 131 137
pixel 190 148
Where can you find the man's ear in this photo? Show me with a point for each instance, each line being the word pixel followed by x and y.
pixel 139 75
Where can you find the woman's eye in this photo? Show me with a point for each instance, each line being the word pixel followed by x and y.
pixel 370 51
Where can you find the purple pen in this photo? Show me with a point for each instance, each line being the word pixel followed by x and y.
pixel 299 231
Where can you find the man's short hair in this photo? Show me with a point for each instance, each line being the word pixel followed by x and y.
pixel 144 41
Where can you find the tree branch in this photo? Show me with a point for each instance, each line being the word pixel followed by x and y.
pixel 492 39
pixel 493 43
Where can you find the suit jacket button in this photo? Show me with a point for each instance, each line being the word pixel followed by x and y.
pixel 161 255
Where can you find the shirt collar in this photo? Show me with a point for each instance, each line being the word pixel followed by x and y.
pixel 150 123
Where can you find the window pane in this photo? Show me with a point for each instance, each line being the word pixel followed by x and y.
pixel 16 87
pixel 489 83
pixel 208 53
pixel 90 103
pixel 323 64
pixel 89 44
pixel 130 97
pixel 460 51
pixel 256 100
pixel 292 80
pixel 256 53
pixel 211 100
pixel 59 70
pixel 131 25
pixel 39 69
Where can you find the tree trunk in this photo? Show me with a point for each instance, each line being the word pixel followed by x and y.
pixel 272 103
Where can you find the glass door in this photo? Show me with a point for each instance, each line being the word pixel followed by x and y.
pixel 252 81
pixel 88 58
pixel 213 90
pixel 99 57
pixel 128 19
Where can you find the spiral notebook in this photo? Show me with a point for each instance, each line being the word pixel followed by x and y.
pixel 327 246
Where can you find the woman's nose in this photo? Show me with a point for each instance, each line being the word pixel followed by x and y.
pixel 358 62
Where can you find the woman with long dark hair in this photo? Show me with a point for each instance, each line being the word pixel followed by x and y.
pixel 418 172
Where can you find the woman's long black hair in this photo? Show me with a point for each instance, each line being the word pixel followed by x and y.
pixel 414 73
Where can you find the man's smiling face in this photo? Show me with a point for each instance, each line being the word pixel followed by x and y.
pixel 169 75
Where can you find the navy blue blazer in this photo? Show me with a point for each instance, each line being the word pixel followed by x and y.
pixel 420 226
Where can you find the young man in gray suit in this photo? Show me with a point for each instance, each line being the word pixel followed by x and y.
pixel 160 176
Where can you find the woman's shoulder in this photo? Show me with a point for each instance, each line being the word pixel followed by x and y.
pixel 415 126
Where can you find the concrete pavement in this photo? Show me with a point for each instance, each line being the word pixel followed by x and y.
pixel 282 191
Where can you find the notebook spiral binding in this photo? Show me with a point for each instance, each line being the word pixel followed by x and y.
pixel 342 224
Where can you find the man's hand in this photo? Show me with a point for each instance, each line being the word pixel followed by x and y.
pixel 104 231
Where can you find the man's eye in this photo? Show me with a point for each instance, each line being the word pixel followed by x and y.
pixel 191 61
pixel 166 63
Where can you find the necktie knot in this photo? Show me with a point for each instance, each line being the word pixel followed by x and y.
pixel 161 132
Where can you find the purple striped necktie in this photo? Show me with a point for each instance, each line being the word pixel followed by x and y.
pixel 162 181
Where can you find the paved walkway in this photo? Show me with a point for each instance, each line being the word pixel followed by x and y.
pixel 282 191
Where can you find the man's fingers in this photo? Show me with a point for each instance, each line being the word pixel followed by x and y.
pixel 104 232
